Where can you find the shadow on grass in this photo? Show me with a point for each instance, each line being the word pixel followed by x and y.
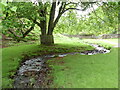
pixel 14 55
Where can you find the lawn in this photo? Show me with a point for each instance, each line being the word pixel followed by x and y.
pixel 12 56
pixel 68 68
pixel 83 71
pixel 103 43
pixel 113 40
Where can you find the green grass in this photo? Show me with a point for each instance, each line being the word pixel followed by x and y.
pixel 113 40
pixel 102 43
pixel 83 71
pixel 12 56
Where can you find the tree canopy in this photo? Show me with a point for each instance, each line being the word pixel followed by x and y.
pixel 20 18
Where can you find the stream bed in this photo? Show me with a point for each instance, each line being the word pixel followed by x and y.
pixel 32 73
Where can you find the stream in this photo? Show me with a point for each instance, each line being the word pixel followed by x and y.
pixel 32 73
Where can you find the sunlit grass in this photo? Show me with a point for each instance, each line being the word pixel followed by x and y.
pixel 103 43
pixel 113 40
pixel 83 71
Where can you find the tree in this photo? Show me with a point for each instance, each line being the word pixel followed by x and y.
pixel 70 23
pixel 17 27
pixel 44 15
pixel 111 10
pixel 98 21
pixel 47 35
pixel 103 20
pixel 107 17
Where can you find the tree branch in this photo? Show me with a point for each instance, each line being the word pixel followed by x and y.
pixel 97 15
pixel 61 9
pixel 71 3
pixel 29 30
pixel 51 19
pixel 34 20
pixel 71 9
pixel 57 19
pixel 12 33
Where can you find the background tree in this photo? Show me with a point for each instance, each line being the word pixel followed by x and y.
pixel 47 35
pixel 70 23
pixel 15 24
pixel 103 20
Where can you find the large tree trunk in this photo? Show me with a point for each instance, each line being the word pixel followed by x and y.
pixel 47 39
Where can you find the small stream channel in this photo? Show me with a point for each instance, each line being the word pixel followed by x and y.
pixel 32 73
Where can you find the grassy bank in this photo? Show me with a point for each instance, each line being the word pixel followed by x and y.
pixel 113 40
pixel 83 71
pixel 78 71
pixel 12 56
pixel 103 43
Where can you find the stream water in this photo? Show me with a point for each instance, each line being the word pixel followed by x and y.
pixel 32 73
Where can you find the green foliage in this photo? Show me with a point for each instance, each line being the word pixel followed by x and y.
pixel 98 22
pixel 101 20
pixel 19 18
pixel 69 25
